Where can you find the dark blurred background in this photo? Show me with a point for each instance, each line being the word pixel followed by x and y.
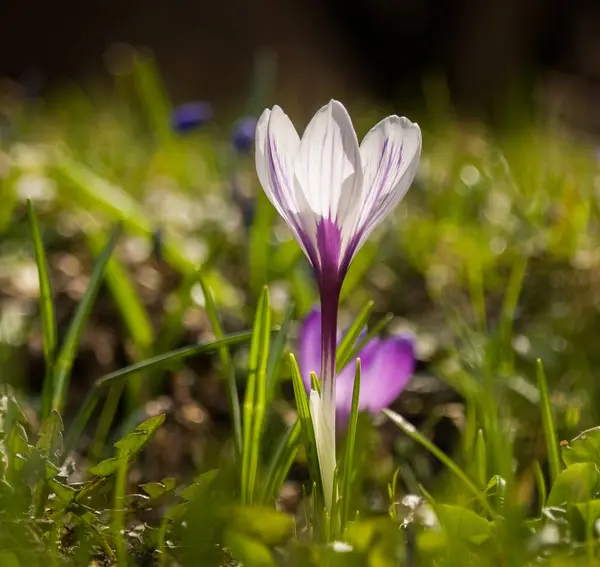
pixel 484 49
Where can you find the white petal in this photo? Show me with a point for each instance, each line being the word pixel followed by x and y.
pixel 325 440
pixel 390 156
pixel 277 145
pixel 329 166
pixel 262 168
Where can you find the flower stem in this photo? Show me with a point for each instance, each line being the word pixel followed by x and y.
pixel 326 435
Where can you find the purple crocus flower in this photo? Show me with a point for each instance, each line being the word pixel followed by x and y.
pixel 191 115
pixel 332 193
pixel 386 367
pixel 243 134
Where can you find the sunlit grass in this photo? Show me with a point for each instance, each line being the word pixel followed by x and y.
pixel 492 261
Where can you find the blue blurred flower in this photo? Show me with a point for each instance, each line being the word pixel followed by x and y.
pixel 190 116
pixel 243 134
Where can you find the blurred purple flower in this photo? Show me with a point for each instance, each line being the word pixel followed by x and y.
pixel 191 115
pixel 386 367
pixel 243 134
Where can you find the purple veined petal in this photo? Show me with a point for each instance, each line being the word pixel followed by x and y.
pixel 390 155
pixel 386 376
pixel 309 347
pixel 277 145
pixel 329 165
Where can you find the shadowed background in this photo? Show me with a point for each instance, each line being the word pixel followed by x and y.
pixel 382 48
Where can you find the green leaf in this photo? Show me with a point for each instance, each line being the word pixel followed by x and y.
pixel 50 441
pixel 158 489
pixel 106 467
pixel 46 310
pixel 134 442
pixel 248 551
pixel 129 446
pixel 548 424
pixel 578 483
pixel 348 341
pixel 585 448
pixel 583 516
pixel 63 492
pixel 265 524
pixel 66 356
pixel 202 483
pixel 256 396
pixel 461 524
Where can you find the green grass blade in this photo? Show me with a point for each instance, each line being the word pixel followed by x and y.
pixel 260 243
pixel 118 376
pixel 276 353
pixel 133 312
pixel 372 332
pixel 153 97
pixel 541 484
pixel 481 458
pixel 226 363
pixel 255 398
pixel 304 416
pixel 66 356
pixel 91 190
pixel 348 466
pixel 46 311
pixel 509 306
pixel 548 424
pixel 282 460
pixel 349 339
pixel 138 324
pixel 410 430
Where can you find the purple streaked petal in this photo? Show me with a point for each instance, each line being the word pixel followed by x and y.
pixel 309 347
pixel 277 144
pixel 329 165
pixel 390 155
pixel 387 373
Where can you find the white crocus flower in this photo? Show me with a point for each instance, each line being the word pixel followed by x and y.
pixel 332 193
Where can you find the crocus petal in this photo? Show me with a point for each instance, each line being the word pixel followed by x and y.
pixel 277 145
pixel 390 155
pixel 387 373
pixel 309 347
pixel 329 167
